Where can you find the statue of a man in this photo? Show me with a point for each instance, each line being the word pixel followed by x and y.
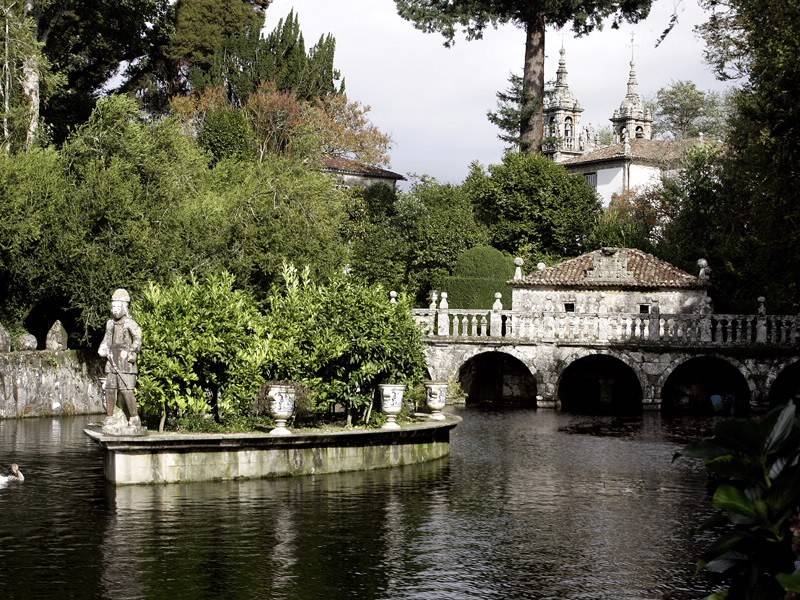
pixel 120 347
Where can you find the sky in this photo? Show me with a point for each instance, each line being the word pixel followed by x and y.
pixel 433 100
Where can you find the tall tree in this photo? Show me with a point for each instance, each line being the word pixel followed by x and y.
pixel 474 16
pixel 682 110
pixel 86 41
pixel 509 114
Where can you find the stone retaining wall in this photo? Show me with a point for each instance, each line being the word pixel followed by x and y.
pixel 175 458
pixel 47 383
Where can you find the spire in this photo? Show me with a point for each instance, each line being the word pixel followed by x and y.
pixel 561 73
pixel 633 85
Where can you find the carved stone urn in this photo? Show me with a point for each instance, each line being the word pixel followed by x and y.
pixel 391 404
pixel 436 397
pixel 281 406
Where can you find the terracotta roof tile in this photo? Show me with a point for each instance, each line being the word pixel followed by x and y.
pixel 346 166
pixel 612 267
pixel 661 152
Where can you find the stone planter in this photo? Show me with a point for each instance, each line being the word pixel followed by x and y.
pixel 281 406
pixel 436 397
pixel 391 403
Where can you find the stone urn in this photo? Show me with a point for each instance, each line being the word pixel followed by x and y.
pixel 391 403
pixel 436 398
pixel 281 406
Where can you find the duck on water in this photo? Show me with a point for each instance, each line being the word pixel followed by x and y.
pixel 16 475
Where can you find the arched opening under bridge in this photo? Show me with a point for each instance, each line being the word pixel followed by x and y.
pixel 705 385
pixel 600 385
pixel 786 386
pixel 497 379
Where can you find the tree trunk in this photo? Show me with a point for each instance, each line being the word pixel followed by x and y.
pixel 30 88
pixel 532 123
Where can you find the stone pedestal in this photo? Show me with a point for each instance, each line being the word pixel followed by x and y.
pixel 120 425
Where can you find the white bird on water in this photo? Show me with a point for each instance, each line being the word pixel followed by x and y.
pixel 16 475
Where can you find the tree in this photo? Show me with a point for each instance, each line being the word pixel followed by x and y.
pixel 509 114
pixel 86 41
pixel 475 15
pixel 682 110
pixel 533 206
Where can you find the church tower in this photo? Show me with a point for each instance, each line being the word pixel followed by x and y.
pixel 632 119
pixel 562 117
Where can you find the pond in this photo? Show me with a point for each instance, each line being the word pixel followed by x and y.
pixel 519 510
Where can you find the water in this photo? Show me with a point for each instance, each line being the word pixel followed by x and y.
pixel 519 510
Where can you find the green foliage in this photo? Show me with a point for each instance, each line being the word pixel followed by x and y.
pixel 341 339
pixel 510 113
pixel 755 465
pixel 85 42
pixel 413 243
pixel 682 110
pixel 225 134
pixel 204 344
pixel 477 275
pixel 127 201
pixel 532 205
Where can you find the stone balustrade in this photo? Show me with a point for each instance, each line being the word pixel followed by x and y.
pixel 611 328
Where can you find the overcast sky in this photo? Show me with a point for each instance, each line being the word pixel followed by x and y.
pixel 433 100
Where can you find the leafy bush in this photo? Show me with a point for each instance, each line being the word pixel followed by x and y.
pixel 225 134
pixel 204 347
pixel 341 339
pixel 478 274
pixel 756 467
pixel 532 205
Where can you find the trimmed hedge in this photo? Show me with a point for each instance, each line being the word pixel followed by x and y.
pixel 478 273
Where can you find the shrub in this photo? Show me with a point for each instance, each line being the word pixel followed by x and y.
pixel 478 274
pixel 204 345
pixel 225 134
pixel 341 339
pixel 754 464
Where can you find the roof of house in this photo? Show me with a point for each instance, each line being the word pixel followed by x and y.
pixel 612 267
pixel 346 166
pixel 664 153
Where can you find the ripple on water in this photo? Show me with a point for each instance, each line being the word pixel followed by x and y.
pixel 519 510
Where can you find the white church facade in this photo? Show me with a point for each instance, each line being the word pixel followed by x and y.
pixel 633 161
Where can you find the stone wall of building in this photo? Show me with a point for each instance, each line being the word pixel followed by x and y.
pixel 607 300
pixel 47 383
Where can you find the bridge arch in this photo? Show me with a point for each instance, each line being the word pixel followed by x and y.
pixel 783 384
pixel 705 384
pixel 600 382
pixel 495 377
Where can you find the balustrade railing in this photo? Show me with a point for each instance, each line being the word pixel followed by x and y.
pixel 631 329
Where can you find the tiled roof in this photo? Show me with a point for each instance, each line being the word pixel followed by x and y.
pixel 665 153
pixel 346 166
pixel 611 267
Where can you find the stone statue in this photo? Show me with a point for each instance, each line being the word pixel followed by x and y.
pixel 120 347
pixel 705 270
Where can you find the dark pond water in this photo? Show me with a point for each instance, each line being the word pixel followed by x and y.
pixel 519 510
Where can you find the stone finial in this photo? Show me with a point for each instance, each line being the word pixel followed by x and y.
pixel 705 270
pixel 26 342
pixel 762 306
pixel 498 303
pixel 541 266
pixel 5 339
pixel 434 299
pixel 393 297
pixel 518 262
pixel 443 305
pixel 56 338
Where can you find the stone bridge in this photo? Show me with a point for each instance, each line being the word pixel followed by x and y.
pixel 615 362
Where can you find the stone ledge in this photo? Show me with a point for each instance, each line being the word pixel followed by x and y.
pixel 173 457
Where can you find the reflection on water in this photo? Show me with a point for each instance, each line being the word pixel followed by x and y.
pixel 519 510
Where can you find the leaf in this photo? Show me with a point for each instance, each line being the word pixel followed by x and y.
pixel 726 562
pixel 791 583
pixel 732 499
pixel 782 428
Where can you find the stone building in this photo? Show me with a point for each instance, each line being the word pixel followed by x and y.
pixel 609 280
pixel 632 161
pixel 352 173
